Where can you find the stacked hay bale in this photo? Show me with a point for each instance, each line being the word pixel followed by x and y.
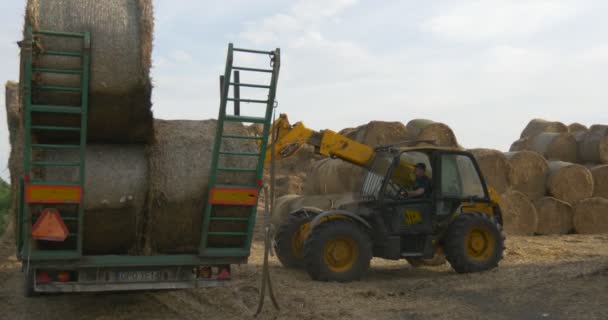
pixel 563 170
pixel 431 133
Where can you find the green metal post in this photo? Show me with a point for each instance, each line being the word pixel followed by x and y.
pixel 84 83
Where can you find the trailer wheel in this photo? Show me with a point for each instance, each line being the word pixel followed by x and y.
pixel 28 283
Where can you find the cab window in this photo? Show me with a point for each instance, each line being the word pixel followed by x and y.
pixel 403 177
pixel 459 179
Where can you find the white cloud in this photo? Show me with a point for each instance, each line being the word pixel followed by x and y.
pixel 483 20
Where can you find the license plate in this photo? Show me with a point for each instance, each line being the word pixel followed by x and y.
pixel 138 276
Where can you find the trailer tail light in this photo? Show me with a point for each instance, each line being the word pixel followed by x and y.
pixel 43 277
pixel 224 273
pixel 63 276
pixel 204 272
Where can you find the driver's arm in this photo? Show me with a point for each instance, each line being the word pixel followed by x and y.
pixel 416 193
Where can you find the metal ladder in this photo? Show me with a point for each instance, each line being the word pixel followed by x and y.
pixel 229 216
pixel 41 136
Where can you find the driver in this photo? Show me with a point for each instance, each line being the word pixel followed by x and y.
pixel 422 184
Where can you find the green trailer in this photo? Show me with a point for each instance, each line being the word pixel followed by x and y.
pixel 50 226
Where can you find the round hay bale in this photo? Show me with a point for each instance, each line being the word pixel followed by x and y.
pixel 538 126
pixel 282 208
pixel 591 216
pixel 14 119
pixel 289 203
pixel 121 49
pixel 576 127
pixel 569 182
pixel 377 133
pixel 519 145
pixel 594 146
pixel 116 183
pixel 528 173
pixel 495 168
pixel 599 128
pixel 179 162
pixel 600 181
pixel 518 213
pixel 427 130
pixel 554 216
pixel 333 176
pixel 555 146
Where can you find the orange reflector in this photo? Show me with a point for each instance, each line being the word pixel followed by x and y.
pixel 63 276
pixel 50 226
pixel 52 194
pixel 233 196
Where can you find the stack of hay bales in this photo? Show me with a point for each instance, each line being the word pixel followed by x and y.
pixel 563 171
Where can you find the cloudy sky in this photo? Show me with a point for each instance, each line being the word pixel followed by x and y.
pixel 483 67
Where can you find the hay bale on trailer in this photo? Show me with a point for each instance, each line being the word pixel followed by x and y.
pixel 569 182
pixel 538 126
pixel 180 163
pixel 519 214
pixel 495 168
pixel 14 119
pixel 554 216
pixel 423 129
pixel 591 216
pixel 528 173
pixel 120 85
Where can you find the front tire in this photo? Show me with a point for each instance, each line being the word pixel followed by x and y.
pixel 337 250
pixel 289 240
pixel 474 243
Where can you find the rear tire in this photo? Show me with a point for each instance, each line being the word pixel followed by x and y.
pixel 288 245
pixel 474 243
pixel 337 250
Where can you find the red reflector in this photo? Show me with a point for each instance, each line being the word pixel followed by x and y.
pixel 63 276
pixel 43 277
pixel 260 182
pixel 224 273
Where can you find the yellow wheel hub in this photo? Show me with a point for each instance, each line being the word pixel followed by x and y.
pixel 340 254
pixel 297 239
pixel 480 244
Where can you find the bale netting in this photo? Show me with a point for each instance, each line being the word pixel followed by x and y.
pixel 600 181
pixel 518 213
pixel 554 216
pixel 569 182
pixel 576 127
pixel 179 162
pixel 528 173
pixel 116 182
pixel 121 48
pixel 14 119
pixel 495 168
pixel 593 147
pixel 377 133
pixel 555 146
pixel 591 216
pixel 538 126
pixel 427 130
pixel 333 176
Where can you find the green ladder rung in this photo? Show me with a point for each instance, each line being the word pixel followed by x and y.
pixel 245 119
pixel 55 146
pixel 55 164
pixel 61 53
pixel 231 186
pixel 55 128
pixel 237 153
pixel 252 69
pixel 58 71
pixel 55 109
pixel 59 33
pixel 248 100
pixel 242 137
pixel 54 254
pixel 53 183
pixel 226 233
pixel 58 88
pixel 249 85
pixel 252 51
pixel 229 219
pixel 237 169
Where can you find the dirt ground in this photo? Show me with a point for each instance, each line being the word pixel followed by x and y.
pixel 549 277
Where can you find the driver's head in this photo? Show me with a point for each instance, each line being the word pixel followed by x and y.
pixel 420 169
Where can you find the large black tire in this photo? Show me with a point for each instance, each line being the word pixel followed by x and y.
pixel 474 243
pixel 437 260
pixel 287 246
pixel 337 250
